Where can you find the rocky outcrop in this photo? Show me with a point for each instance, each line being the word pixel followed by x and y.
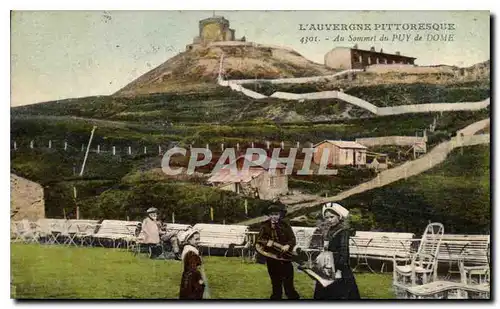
pixel 27 200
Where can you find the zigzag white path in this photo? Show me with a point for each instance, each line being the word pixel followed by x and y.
pixel 295 80
pixel 323 95
pixel 465 137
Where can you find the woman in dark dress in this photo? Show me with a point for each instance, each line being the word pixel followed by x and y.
pixel 336 232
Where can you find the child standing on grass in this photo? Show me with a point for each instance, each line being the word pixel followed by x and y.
pixel 192 284
pixel 279 267
pixel 335 233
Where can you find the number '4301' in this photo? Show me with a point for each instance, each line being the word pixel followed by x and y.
pixel 308 39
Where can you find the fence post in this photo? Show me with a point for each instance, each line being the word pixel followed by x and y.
pixel 32 144
pixel 114 150
pixel 268 144
pixel 222 146
pixel 145 150
pixel 98 148
pixel 282 145
pixel 65 145
pixel 208 147
pixel 252 145
pixel 237 146
pixel 50 144
pixel 76 204
pixel 129 150
pixel 173 217
pixel 298 145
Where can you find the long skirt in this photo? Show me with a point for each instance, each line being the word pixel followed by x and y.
pixel 344 288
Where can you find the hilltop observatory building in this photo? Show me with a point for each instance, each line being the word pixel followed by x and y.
pixel 213 29
pixel 355 58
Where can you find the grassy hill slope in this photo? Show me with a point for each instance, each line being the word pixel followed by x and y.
pixel 455 193
pixel 198 69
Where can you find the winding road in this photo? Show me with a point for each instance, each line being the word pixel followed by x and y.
pixel 465 137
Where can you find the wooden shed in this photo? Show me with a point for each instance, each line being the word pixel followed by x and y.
pixel 258 181
pixel 341 152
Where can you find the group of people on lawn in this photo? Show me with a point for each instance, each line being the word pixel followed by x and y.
pixel 276 243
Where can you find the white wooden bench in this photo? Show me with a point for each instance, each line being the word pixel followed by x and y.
pixel 471 250
pixel 447 290
pixel 116 232
pixel 82 231
pixel 138 245
pixel 221 236
pixel 177 227
pixel 382 246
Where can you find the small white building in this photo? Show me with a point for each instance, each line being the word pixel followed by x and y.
pixel 341 153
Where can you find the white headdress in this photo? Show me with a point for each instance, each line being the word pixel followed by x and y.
pixel 189 248
pixel 337 208
pixel 183 236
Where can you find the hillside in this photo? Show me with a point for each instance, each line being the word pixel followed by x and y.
pixel 179 102
pixel 455 193
pixel 197 70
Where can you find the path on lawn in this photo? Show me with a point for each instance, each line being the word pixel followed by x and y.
pixel 465 137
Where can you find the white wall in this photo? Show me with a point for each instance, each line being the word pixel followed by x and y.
pixel 433 107
pixel 381 111
pixel 408 68
pixel 295 80
pixel 391 140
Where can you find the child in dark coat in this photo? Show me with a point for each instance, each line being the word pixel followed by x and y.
pixel 192 285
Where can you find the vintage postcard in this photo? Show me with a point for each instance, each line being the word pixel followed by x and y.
pixel 316 155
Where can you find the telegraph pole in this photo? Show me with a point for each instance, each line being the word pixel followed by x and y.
pixel 87 152
pixel 81 172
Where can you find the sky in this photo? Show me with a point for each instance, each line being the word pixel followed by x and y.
pixel 67 54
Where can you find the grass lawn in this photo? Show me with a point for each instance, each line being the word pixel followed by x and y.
pixel 61 272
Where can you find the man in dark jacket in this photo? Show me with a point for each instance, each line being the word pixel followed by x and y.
pixel 278 232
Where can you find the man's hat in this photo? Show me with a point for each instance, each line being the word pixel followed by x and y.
pixel 275 207
pixel 152 210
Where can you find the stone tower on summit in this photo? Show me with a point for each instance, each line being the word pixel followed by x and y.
pixel 213 29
